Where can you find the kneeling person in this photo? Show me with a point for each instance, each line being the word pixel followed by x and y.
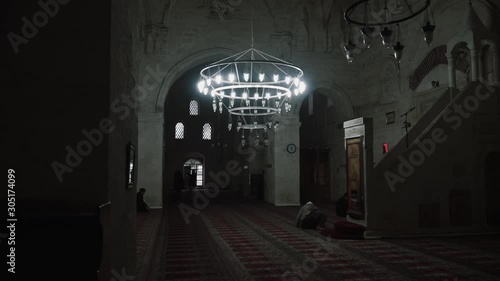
pixel 310 217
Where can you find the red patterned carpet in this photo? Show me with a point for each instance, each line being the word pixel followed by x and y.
pixel 257 241
pixel 147 226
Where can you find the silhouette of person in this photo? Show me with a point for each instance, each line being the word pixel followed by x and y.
pixel 341 206
pixel 141 205
pixel 178 184
pixel 310 217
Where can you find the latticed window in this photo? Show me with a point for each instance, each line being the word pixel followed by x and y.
pixel 207 131
pixel 193 108
pixel 179 131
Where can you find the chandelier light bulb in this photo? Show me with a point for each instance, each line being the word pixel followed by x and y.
pixel 201 86
pixel 231 103
pixel 302 87
pixel 263 102
pixel 386 35
pixel 214 105
pixel 349 48
pixel 245 95
pixel 229 126
pixel 398 51
pixel 428 30
pixel 288 79
pixel 248 102
pixel 209 81
pixel 296 91
pixel 231 77
pixel 205 90
pixel 268 95
pixel 276 77
pixel 220 106
pixel 246 76
pixel 296 81
pixel 261 77
pixel 256 96
pixel 277 103
pixel 289 94
pixel 367 32
pixel 213 93
pixel 218 78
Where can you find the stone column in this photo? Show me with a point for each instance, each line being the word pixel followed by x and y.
pixel 150 157
pixel 286 164
pixel 496 65
pixel 474 62
pixel 452 75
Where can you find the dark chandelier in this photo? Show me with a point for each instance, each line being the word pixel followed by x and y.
pixel 387 23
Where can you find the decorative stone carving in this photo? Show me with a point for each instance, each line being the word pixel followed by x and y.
pixel 154 35
pixel 316 18
pixel 285 44
pixel 391 88
pixel 155 38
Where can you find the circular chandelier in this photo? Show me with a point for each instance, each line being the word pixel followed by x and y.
pixel 387 22
pixel 253 87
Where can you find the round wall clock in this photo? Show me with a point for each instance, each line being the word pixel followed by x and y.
pixel 291 148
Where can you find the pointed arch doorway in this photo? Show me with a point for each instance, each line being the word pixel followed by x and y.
pixel 194 173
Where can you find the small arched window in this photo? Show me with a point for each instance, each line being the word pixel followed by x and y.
pixel 193 108
pixel 207 132
pixel 179 131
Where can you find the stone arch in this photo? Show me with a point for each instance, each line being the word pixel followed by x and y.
pixel 343 110
pixel 332 91
pixel 183 66
pixel 488 59
pixel 434 58
pixel 193 155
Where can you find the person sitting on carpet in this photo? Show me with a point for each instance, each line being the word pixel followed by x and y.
pixel 141 205
pixel 310 217
pixel 341 206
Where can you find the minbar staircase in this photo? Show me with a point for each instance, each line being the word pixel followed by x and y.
pixel 436 184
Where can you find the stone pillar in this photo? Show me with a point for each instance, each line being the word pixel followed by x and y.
pixel 480 64
pixel 286 164
pixel 496 65
pixel 452 75
pixel 474 62
pixel 150 157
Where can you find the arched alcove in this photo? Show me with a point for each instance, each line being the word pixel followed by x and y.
pixel 322 112
pixel 183 66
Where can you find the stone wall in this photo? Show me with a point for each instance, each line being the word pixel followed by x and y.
pixel 180 35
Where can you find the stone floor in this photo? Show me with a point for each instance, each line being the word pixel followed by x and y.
pixel 258 241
